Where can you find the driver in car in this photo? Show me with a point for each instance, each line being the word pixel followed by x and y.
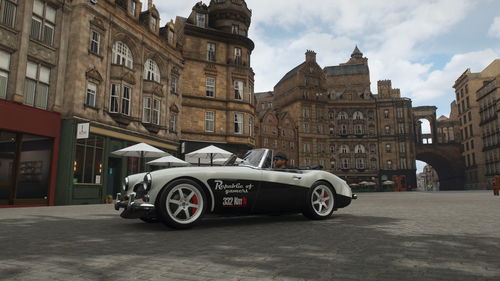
pixel 280 161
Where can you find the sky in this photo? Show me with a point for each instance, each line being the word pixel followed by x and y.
pixel 423 46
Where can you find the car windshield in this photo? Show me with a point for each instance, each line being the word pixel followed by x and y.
pixel 253 157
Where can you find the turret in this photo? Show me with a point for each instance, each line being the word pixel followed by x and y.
pixel 232 16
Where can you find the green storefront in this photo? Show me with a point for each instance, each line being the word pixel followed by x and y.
pixel 87 171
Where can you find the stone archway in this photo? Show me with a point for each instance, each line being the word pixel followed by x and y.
pixel 447 160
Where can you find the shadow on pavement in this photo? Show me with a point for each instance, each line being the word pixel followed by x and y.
pixel 345 247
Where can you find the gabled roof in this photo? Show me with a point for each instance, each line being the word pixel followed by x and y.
pixel 290 73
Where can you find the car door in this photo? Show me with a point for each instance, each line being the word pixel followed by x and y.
pixel 280 191
pixel 235 189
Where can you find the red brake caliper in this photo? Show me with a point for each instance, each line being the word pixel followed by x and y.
pixel 194 200
pixel 324 196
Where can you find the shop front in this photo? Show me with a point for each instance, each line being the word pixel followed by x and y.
pixel 88 171
pixel 29 142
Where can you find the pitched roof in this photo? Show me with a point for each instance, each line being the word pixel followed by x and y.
pixel 346 69
pixel 290 73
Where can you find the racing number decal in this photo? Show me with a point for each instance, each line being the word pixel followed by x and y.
pixel 233 194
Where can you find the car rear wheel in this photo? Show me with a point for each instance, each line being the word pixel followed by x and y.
pixel 182 204
pixel 320 201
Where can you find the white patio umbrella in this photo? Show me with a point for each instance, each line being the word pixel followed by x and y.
pixel 141 150
pixel 168 161
pixel 363 183
pixel 371 183
pixel 208 153
pixel 388 182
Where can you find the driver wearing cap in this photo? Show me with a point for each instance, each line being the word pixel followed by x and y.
pixel 280 161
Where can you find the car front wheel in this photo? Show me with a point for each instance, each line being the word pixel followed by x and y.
pixel 320 201
pixel 182 204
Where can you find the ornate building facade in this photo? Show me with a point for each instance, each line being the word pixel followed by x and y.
pixel 342 126
pixel 106 75
pixel 218 100
pixel 477 124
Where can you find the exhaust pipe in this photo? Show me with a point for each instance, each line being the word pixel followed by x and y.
pixel 354 196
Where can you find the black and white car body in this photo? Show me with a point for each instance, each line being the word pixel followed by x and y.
pixel 179 197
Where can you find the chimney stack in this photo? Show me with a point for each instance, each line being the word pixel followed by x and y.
pixel 150 4
pixel 310 56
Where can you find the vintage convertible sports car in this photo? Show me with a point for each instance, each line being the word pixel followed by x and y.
pixel 179 197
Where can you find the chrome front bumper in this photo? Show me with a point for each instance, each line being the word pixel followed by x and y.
pixel 132 209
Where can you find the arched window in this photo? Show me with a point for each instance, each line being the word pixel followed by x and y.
pixel 122 55
pixel 344 148
pixel 357 115
pixel 342 116
pixel 360 148
pixel 151 71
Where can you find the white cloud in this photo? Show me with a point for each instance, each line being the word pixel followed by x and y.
pixel 495 28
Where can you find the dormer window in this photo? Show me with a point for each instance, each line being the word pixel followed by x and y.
pixel 170 36
pixel 152 24
pixel 200 20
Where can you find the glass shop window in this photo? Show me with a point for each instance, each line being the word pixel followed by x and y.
pixel 87 166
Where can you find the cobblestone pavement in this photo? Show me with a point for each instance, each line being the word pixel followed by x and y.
pixel 382 236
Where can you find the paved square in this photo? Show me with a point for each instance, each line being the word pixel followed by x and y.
pixel 381 236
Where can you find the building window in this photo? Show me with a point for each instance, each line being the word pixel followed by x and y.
pixel 373 148
pixel 360 163
pixel 210 84
pixel 235 29
pixel 306 128
pixel 320 129
pixel 331 115
pixel 211 52
pixel 332 131
pixel 36 90
pixel 209 121
pixel 402 163
pixel 237 56
pixel 387 130
pixel 360 148
pixel 250 126
pixel 342 116
pixel 386 113
pixel 173 122
pixel 131 8
pixel 306 112
pixel 343 130
pixel 87 167
pixel 402 147
pixel 307 147
pixel 200 20
pixel 151 112
pixel 122 55
pixel 238 90
pixel 401 128
pixel 170 36
pixel 173 84
pixel 388 147
pixel 374 164
pixel 95 42
pixel 266 142
pixel 8 12
pixel 399 113
pixel 332 164
pixel 43 22
pixel 120 98
pixel 389 164
pixel 344 148
pixel 292 146
pixel 4 73
pixel 238 123
pixel 358 129
pixel 91 94
pixel 151 71
pixel 152 24
pixel 345 163
pixel 332 148
pixel 358 115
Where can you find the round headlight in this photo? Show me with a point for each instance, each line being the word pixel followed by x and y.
pixel 148 180
pixel 125 184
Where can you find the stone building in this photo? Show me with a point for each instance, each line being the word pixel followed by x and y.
pixel 32 75
pixel 345 128
pixel 448 128
pixel 487 98
pixel 217 95
pixel 106 72
pixel 471 106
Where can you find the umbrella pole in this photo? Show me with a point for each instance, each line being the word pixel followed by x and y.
pixel 211 159
pixel 141 165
